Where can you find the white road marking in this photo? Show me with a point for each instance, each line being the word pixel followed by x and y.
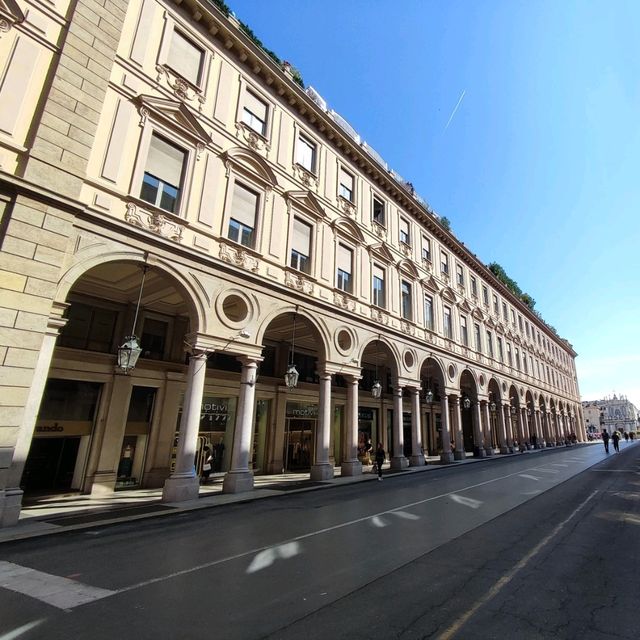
pixel 376 521
pixel 547 470
pixel 267 557
pixel 56 591
pixel 526 475
pixel 506 579
pixel 467 502
pixel 406 515
pixel 558 464
pixel 16 633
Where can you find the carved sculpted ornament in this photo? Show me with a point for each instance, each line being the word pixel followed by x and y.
pixel 238 257
pixel 344 302
pixel 256 142
pixel 182 89
pixel 298 283
pixel 154 221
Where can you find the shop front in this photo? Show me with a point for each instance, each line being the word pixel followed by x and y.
pixel 299 436
pixel 59 450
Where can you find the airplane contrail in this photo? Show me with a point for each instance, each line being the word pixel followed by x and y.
pixel 453 113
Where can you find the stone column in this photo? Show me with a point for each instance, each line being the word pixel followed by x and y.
pixel 522 429
pixel 488 440
pixel 239 477
pixel 11 496
pixel 508 425
pixel 398 461
pixel 351 466
pixel 542 440
pixel 459 453
pixel 446 456
pixel 502 430
pixel 322 469
pixel 417 454
pixel 183 484
pixel 478 439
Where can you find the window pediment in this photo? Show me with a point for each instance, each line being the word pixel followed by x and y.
pixel 465 306
pixel 449 294
pixel 174 115
pixel 307 202
pixel 382 252
pixel 11 12
pixel 251 163
pixel 408 268
pixel 346 227
pixel 478 315
pixel 431 284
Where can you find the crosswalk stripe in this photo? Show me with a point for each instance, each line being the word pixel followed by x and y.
pixel 56 591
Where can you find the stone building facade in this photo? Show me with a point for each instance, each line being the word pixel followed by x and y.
pixel 614 413
pixel 162 177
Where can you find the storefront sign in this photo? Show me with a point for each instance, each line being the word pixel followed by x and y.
pixel 365 413
pixel 299 410
pixel 63 428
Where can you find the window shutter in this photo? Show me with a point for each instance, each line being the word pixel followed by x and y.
pixel 165 161
pixel 245 204
pixel 346 179
pixel 344 259
pixel 301 241
pixel 185 58
pixel 256 106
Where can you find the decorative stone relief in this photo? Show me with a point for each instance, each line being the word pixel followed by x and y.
pixel 407 249
pixel 426 264
pixel 380 231
pixel 155 222
pixel 238 257
pixel 344 302
pixel 407 327
pixel 306 177
pixel 256 142
pixel 380 316
pixel 347 207
pixel 298 283
pixel 5 25
pixel 182 89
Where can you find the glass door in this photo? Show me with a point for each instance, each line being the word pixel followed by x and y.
pixel 298 443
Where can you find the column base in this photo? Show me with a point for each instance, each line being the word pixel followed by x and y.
pixel 399 462
pixel 322 471
pixel 10 506
pixel 237 482
pixel 446 458
pixel 489 452
pixel 479 452
pixel 103 484
pixel 459 455
pixel 504 450
pixel 181 489
pixel 351 468
pixel 416 461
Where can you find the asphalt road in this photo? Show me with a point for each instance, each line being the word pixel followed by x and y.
pixel 537 546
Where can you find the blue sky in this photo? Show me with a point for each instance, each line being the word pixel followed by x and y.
pixel 539 167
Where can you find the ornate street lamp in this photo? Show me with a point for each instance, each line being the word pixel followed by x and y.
pixel 428 396
pixel 291 376
pixel 129 352
pixel 376 387
pixel 466 402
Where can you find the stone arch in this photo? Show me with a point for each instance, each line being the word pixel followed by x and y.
pixel 384 344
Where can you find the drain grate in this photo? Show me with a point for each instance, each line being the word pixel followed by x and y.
pixel 90 517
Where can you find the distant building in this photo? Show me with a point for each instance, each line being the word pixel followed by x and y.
pixel 169 191
pixel 617 413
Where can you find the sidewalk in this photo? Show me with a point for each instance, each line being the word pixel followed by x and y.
pixel 62 513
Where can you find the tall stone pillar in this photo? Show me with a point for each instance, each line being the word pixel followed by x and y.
pixel 351 466
pixel 488 440
pixel 478 439
pixel 398 461
pixel 322 469
pixel 522 429
pixel 183 484
pixel 446 456
pixel 239 477
pixel 417 454
pixel 459 453
pixel 505 441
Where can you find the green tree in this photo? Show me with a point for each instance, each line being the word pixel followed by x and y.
pixel 444 221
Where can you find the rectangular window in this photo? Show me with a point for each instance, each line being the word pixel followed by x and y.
pixel 459 275
pixel 243 215
pixel 163 174
pixel 154 338
pixel 378 211
pixel 344 268
pixel 448 329
pixel 301 246
pixel 428 312
pixel 378 287
pixel 517 354
pixel 306 154
pixel 405 236
pixel 406 299
pixel 346 185
pixel 495 305
pixel 524 363
pixel 485 296
pixel 505 314
pixel 426 249
pixel 464 336
pixel 500 352
pixel 476 330
pixel 526 326
pixel 185 58
pixel 444 262
pixel 509 359
pixel 89 328
pixel 531 364
pixel 474 287
pixel 513 317
pixel 254 114
pixel 520 324
pixel 490 344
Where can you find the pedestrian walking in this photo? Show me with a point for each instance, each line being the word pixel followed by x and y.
pixel 380 456
pixel 616 441
pixel 207 465
pixel 605 439
pixel 626 436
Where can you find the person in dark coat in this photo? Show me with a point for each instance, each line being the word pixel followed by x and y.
pixel 605 439
pixel 616 441
pixel 380 456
